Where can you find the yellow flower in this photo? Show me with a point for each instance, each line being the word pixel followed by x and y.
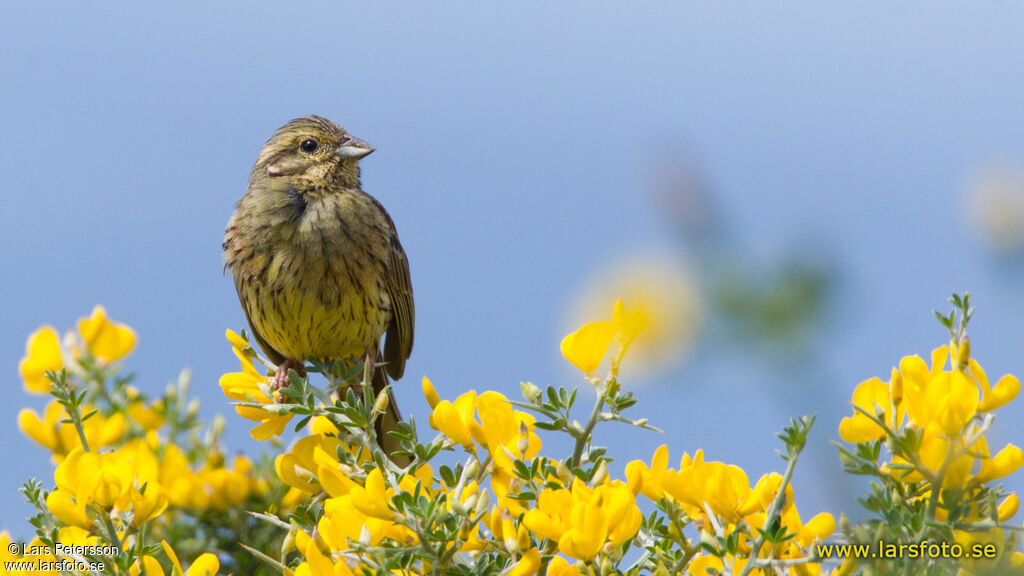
pixel 527 565
pixel 720 487
pixel 42 353
pixel 144 506
pixel 227 487
pixel 560 567
pixel 705 564
pixel 872 396
pixel 583 519
pixel 372 499
pixel 250 386
pixel 647 480
pixel 236 340
pixel 1006 462
pixel 146 563
pixel 59 436
pixel 316 563
pixel 1008 507
pixel 586 347
pixel 948 398
pixel 67 510
pixel 663 307
pixel 764 492
pixel 206 565
pixel 1004 391
pixel 430 394
pixel 151 416
pixel 93 478
pixel 933 452
pixel 505 430
pixel 106 340
pixel 456 420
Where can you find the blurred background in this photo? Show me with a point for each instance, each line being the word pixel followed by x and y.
pixel 791 189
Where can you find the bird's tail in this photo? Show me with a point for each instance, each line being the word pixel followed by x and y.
pixel 388 421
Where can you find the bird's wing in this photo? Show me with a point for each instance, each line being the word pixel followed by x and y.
pixel 398 343
pixel 238 256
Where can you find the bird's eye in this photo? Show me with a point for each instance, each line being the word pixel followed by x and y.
pixel 309 145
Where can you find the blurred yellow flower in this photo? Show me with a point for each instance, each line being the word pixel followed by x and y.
pixel 663 308
pixel 59 436
pixel 106 340
pixel 144 506
pixel 150 416
pixel 93 478
pixel 42 353
pixel 995 206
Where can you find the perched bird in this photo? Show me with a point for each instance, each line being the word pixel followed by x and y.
pixel 317 263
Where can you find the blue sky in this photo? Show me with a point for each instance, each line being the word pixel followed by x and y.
pixel 513 147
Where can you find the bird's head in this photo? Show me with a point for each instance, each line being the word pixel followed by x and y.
pixel 312 152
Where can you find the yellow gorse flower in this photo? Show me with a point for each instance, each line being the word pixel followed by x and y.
pixel 59 436
pixel 206 564
pixel 587 347
pixel 93 478
pixel 106 340
pixel 583 520
pixel 251 386
pixel 942 404
pixel 503 431
pixel 42 353
pixel 873 396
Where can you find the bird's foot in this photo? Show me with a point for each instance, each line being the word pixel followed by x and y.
pixel 281 374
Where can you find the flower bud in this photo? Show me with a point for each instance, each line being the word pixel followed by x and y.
pixel 470 471
pixel 963 352
pixel 382 402
pixel 289 544
pixel 523 444
pixel 531 392
pixel 483 502
pixel 564 474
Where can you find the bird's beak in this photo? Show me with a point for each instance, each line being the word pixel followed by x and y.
pixel 353 147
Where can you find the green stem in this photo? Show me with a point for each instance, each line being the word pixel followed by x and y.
pixel 582 438
pixel 773 512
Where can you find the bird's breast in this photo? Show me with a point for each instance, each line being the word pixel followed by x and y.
pixel 322 292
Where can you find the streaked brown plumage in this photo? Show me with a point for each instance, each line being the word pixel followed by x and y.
pixel 317 263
